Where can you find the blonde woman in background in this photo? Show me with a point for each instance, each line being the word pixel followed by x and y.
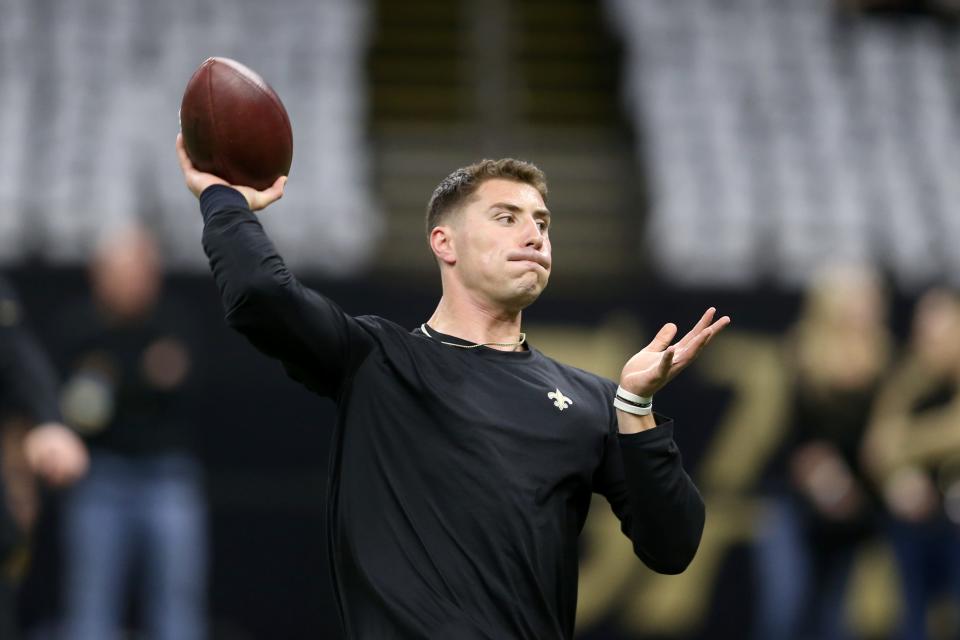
pixel 821 507
pixel 913 452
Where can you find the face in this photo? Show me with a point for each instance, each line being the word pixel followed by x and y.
pixel 126 273
pixel 499 244
pixel 935 326
pixel 850 297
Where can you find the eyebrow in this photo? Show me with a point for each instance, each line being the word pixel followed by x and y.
pixel 543 213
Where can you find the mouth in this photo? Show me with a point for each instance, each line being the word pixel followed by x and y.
pixel 529 255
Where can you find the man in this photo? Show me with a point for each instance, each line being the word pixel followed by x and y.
pixel 28 389
pixel 463 459
pixel 131 379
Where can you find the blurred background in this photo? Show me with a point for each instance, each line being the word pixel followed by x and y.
pixel 792 162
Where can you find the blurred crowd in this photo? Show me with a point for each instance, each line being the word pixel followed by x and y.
pixel 872 452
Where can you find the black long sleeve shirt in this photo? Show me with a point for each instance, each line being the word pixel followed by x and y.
pixel 28 384
pixel 28 388
pixel 145 412
pixel 460 478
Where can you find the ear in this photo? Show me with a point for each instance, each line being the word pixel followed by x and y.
pixel 442 244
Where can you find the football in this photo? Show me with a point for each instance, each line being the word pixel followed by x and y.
pixel 235 126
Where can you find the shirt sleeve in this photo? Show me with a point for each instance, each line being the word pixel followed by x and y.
pixel 658 505
pixel 318 344
pixel 27 380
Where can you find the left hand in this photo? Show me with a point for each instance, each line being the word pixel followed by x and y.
pixel 653 367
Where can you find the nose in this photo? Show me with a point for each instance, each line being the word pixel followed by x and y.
pixel 534 235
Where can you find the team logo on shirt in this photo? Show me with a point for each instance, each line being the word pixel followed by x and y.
pixel 560 401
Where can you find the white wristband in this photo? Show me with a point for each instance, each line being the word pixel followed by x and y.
pixel 632 397
pixel 632 408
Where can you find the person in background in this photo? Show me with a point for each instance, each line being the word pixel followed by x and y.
pixel 28 390
pixel 130 380
pixel 913 451
pixel 822 506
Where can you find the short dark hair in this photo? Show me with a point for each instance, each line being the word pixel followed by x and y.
pixel 464 182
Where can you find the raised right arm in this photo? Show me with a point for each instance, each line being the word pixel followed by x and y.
pixel 318 344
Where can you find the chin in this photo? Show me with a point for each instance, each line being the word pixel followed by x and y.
pixel 527 294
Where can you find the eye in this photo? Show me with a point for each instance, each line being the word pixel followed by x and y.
pixel 506 218
pixel 542 225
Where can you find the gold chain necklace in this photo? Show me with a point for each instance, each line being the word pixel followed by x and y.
pixel 523 338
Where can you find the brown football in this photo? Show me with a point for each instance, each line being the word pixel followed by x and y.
pixel 234 125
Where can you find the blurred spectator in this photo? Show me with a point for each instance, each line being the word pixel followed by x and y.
pixel 913 450
pixel 140 511
pixel 28 388
pixel 821 508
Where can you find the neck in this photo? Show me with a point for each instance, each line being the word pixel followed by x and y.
pixel 115 315
pixel 469 320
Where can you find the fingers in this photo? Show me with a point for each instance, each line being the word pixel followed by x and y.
pixel 666 362
pixel 261 199
pixel 689 352
pixel 719 326
pixel 48 468
pixel 702 324
pixel 56 454
pixel 62 468
pixel 712 331
pixel 275 192
pixel 698 336
pixel 663 338
pixel 196 181
pixel 185 164
pixel 67 474
pixel 694 346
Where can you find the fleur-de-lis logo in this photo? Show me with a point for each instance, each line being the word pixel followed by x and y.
pixel 560 401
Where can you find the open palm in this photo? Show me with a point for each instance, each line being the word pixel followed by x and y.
pixel 653 367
